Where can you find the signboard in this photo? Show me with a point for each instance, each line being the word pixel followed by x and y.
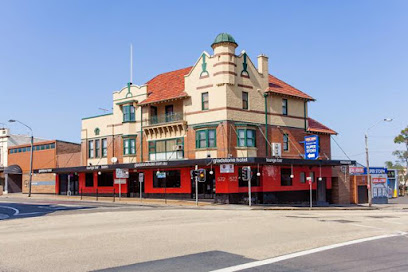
pixel 226 168
pixel 309 179
pixel 141 177
pixel 160 174
pixel 120 181
pixel 122 173
pixel 356 170
pixel 379 187
pixel 311 147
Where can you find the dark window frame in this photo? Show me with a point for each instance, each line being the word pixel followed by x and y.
pixel 205 101
pixel 285 145
pixel 284 106
pixel 245 100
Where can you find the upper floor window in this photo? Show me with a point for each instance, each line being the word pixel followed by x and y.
pixel 245 100
pixel 284 106
pixel 91 149
pixel 206 138
pixel 104 147
pixel 129 146
pixel 246 137
pixel 171 149
pixel 97 148
pixel 204 101
pixel 285 142
pixel 128 113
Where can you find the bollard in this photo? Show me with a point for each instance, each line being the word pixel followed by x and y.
pixel 81 193
pixel 113 194
pixel 96 194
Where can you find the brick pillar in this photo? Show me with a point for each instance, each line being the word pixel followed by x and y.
pixel 341 192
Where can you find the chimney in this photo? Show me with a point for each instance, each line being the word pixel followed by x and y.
pixel 263 65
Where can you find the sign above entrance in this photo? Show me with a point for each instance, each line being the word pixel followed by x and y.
pixel 122 173
pixel 226 168
pixel 311 147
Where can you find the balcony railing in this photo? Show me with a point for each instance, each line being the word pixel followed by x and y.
pixel 164 118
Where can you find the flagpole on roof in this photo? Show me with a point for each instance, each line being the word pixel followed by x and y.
pixel 131 63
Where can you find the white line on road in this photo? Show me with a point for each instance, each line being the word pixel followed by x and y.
pixel 31 213
pixel 16 211
pixel 301 253
pixel 3 216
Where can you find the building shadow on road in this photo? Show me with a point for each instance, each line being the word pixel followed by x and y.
pixel 205 261
pixel 11 210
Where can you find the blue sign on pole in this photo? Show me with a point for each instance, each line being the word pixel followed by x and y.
pixel 311 147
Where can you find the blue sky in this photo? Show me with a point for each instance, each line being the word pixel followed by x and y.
pixel 61 60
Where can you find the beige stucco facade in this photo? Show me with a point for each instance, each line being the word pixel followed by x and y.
pixel 224 75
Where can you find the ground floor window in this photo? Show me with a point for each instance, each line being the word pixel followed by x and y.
pixel 255 180
pixel 163 150
pixel 89 181
pixel 168 179
pixel 285 177
pixel 105 179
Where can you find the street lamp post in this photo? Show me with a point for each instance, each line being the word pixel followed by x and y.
pixel 31 154
pixel 370 196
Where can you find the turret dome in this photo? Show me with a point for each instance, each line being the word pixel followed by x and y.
pixel 224 38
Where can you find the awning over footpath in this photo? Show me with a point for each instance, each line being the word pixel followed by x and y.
pixel 199 162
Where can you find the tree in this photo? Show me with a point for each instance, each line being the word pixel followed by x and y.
pixel 402 155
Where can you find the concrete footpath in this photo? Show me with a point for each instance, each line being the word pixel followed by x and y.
pixel 400 203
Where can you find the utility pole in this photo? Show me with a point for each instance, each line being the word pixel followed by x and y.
pixel 370 192
pixel 31 154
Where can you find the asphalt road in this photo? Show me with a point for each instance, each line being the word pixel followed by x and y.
pixel 61 235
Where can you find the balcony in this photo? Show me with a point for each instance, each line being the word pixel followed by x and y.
pixel 168 125
pixel 164 118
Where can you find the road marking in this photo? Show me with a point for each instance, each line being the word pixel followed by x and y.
pixel 365 226
pixel 3 216
pixel 31 213
pixel 302 253
pixel 11 208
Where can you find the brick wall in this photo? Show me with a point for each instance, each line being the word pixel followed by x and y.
pixel 69 159
pixel 66 147
pixel 41 183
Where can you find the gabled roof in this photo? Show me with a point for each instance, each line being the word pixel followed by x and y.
pixel 166 86
pixel 317 127
pixel 279 87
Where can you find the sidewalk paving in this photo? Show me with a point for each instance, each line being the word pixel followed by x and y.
pixel 400 203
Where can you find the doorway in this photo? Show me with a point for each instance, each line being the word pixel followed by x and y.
pixel 206 190
pixel 321 192
pixel 68 184
pixel 135 183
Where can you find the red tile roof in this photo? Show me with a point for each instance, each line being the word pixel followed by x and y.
pixel 166 86
pixel 315 126
pixel 278 86
pixel 170 85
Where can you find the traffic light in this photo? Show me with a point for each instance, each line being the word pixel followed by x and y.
pixel 246 173
pixel 201 175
